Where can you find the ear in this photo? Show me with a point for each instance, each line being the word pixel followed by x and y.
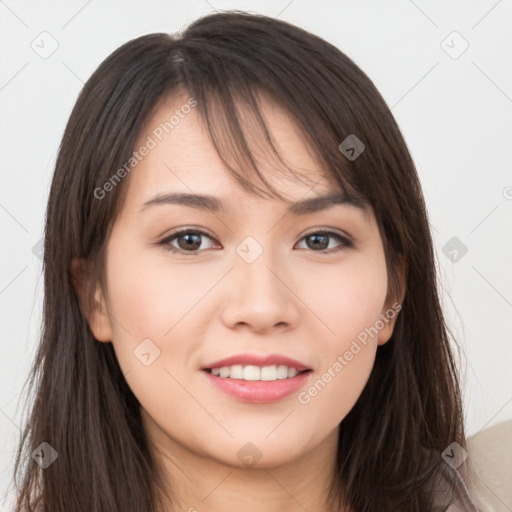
pixel 392 306
pixel 95 311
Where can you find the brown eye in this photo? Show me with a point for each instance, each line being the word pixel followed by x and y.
pixel 320 241
pixel 187 241
pixel 190 241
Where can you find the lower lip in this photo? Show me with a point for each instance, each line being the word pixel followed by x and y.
pixel 259 392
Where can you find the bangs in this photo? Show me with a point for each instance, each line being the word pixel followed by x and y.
pixel 230 102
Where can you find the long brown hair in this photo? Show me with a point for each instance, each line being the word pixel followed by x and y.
pixel 390 443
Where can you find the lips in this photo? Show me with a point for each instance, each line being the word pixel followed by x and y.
pixel 259 392
pixel 257 360
pixel 247 386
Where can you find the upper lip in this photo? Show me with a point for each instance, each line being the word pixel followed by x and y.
pixel 257 360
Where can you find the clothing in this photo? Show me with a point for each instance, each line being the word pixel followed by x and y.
pixel 451 493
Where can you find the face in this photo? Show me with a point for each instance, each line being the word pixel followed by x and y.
pixel 187 286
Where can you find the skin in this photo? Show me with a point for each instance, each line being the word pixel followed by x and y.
pixel 294 299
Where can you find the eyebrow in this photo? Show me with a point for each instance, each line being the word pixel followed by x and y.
pixel 214 204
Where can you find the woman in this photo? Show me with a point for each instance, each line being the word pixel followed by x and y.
pixel 240 291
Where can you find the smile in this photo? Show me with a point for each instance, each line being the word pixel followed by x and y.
pixel 251 372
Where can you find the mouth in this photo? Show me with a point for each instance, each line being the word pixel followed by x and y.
pixel 257 379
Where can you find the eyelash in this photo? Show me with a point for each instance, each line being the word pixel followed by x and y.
pixel 345 242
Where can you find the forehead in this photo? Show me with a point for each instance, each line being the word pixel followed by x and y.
pixel 183 158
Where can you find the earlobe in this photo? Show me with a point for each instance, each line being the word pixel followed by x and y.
pixel 95 310
pixel 99 320
pixel 392 309
pixel 388 320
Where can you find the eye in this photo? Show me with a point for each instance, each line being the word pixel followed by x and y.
pixel 319 241
pixel 187 240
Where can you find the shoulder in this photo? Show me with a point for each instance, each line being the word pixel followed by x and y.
pixel 451 493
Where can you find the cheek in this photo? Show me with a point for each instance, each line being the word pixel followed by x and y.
pixel 349 299
pixel 347 354
pixel 148 304
pixel 152 299
pixel 336 389
pixel 349 302
pixel 148 294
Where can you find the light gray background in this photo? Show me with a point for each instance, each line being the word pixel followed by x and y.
pixel 455 114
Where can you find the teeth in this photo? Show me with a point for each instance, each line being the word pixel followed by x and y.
pixel 269 373
pixel 266 373
pixel 236 371
pixel 250 373
pixel 282 372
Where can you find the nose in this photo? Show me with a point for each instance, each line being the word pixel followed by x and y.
pixel 262 296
